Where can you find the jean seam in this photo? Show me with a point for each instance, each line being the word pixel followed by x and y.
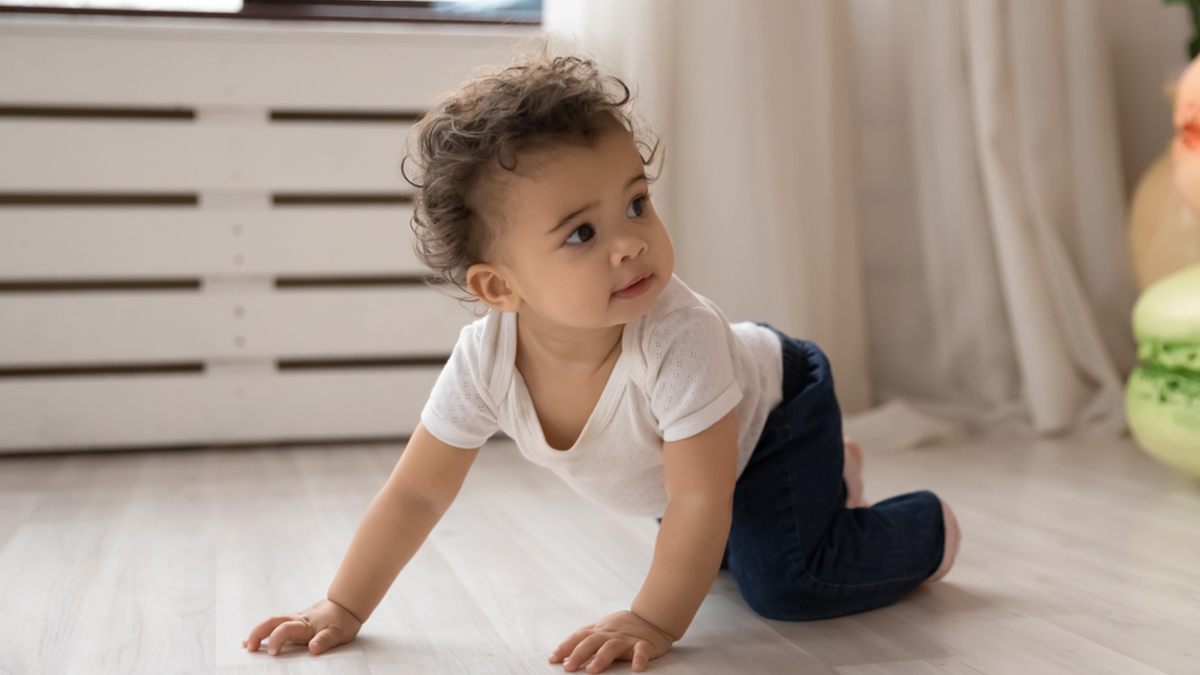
pixel 796 534
pixel 866 587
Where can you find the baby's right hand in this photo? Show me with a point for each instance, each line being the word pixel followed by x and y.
pixel 323 626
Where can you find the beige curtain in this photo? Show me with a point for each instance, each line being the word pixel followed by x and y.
pixel 999 282
pixel 757 190
pixel 928 189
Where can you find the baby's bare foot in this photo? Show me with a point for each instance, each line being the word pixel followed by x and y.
pixel 852 472
pixel 953 540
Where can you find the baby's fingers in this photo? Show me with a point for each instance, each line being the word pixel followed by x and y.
pixel 641 656
pixel 325 640
pixel 262 630
pixel 583 651
pixel 568 645
pixel 291 631
pixel 611 650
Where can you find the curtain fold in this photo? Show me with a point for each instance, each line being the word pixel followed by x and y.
pixel 753 100
pixel 928 189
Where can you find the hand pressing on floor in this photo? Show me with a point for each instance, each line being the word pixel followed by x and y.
pixel 621 636
pixel 323 626
pixel 700 473
pixel 422 486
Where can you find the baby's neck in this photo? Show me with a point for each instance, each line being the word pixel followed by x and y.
pixel 566 347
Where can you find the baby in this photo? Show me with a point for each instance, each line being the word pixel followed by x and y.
pixel 607 369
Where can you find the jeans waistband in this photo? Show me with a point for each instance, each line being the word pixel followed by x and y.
pixel 797 370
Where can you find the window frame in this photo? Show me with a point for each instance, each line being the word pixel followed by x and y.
pixel 387 11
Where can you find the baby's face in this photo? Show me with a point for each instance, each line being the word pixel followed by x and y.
pixel 578 229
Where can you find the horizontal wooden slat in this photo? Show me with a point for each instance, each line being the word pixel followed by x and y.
pixel 45 243
pixel 60 199
pixel 276 115
pixel 344 116
pixel 358 362
pixel 183 409
pixel 340 198
pixel 292 282
pixel 124 63
pixel 61 329
pixel 68 285
pixel 101 112
pixel 154 155
pixel 140 368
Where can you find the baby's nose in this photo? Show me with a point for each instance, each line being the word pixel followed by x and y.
pixel 628 246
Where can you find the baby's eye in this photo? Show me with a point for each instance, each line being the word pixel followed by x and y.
pixel 585 232
pixel 637 207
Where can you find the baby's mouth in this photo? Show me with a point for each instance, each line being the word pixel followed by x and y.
pixel 636 288
pixel 1189 135
pixel 633 283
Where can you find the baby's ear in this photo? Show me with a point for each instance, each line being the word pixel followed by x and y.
pixel 488 284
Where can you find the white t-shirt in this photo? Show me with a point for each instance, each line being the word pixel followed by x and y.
pixel 682 367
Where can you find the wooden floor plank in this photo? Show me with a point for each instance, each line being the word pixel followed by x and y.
pixel 157 578
pixel 872 637
pixel 23 484
pixel 949 666
pixel 268 559
pixel 1034 645
pixel 52 562
pixel 1168 643
pixel 1077 557
pixel 526 664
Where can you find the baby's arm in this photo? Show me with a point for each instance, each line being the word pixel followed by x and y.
pixel 420 490
pixel 701 472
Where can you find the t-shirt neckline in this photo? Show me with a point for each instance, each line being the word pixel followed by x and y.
pixel 526 414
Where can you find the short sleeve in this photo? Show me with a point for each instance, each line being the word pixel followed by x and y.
pixel 691 366
pixel 457 413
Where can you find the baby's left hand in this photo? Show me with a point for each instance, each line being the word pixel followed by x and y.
pixel 617 636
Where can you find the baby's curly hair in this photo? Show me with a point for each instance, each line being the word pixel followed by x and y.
pixel 481 127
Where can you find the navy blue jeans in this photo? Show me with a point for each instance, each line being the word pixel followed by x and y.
pixel 795 550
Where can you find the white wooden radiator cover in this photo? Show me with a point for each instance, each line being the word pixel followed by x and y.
pixel 204 234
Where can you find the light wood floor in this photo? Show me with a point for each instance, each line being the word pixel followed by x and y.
pixel 1077 558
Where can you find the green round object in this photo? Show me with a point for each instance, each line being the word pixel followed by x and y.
pixel 1162 398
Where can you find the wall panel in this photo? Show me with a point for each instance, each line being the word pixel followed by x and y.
pixel 204 233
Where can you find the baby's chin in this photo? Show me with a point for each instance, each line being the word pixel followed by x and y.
pixel 1186 162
